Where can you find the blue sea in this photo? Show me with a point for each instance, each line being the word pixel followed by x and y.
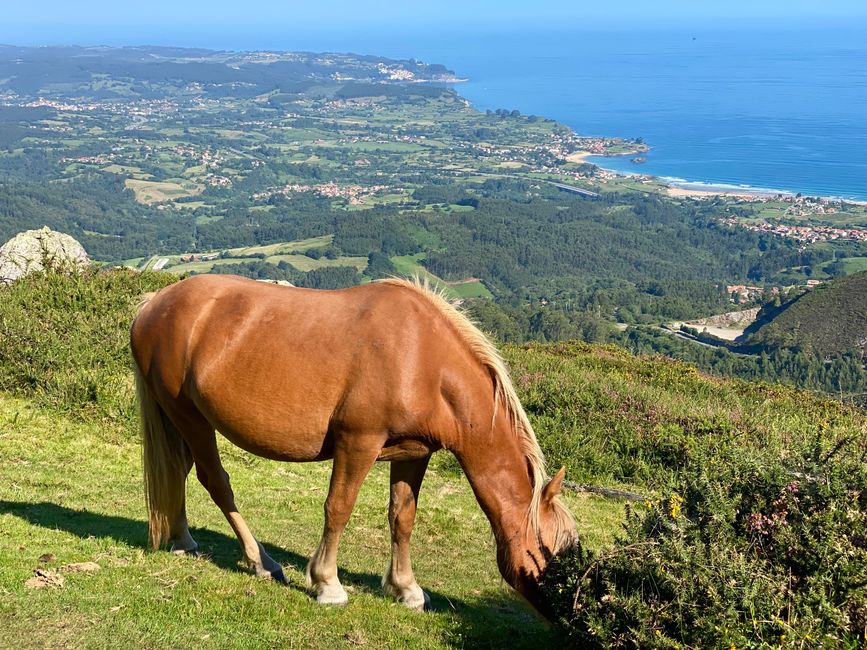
pixel 776 107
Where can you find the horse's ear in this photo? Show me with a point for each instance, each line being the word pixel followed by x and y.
pixel 554 485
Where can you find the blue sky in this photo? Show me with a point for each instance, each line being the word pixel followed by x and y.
pixel 202 22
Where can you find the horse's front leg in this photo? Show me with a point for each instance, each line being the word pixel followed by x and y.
pixel 399 581
pixel 354 455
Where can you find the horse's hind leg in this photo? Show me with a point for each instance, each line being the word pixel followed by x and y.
pixel 354 455
pixel 210 472
pixel 399 581
pixel 182 543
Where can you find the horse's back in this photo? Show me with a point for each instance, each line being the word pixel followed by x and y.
pixel 279 369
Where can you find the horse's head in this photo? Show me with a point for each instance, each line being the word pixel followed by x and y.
pixel 549 529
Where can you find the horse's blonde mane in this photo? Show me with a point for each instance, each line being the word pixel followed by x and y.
pixel 143 300
pixel 504 395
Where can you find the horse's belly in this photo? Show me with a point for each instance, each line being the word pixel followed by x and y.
pixel 286 445
pixel 280 429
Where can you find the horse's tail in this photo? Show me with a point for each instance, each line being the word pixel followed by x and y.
pixel 165 458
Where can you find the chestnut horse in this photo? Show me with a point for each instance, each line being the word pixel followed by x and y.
pixel 387 371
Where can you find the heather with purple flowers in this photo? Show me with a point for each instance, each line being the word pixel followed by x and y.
pixel 748 551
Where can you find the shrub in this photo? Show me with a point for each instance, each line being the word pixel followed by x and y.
pixel 748 552
pixel 64 339
pixel 613 417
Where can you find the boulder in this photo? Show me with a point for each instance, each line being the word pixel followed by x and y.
pixel 34 250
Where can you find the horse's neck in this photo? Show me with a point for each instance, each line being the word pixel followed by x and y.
pixel 497 471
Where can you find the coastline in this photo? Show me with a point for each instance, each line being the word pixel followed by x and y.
pixel 698 189
pixel 683 188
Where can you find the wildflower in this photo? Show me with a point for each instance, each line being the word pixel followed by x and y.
pixel 674 505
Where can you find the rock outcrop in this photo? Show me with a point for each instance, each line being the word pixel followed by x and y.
pixel 34 250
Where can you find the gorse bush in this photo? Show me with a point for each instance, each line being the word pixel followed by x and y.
pixel 757 533
pixel 64 339
pixel 750 551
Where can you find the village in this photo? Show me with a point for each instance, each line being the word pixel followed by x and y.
pixel 807 234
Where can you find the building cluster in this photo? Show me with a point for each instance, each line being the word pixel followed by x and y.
pixel 372 103
pixel 216 180
pixel 205 157
pixel 807 234
pixel 395 73
pixel 101 159
pixel 62 106
pixel 745 293
pixel 355 194
pixel 806 206
pixel 204 257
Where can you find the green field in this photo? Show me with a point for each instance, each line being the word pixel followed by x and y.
pixel 469 289
pixel 284 247
pixel 304 263
pixel 274 253
pixel 410 266
pixel 850 264
pixel 206 266
pixel 849 215
pixel 72 492
pixel 149 192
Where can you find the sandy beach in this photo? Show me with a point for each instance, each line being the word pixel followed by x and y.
pixel 578 157
pixel 681 192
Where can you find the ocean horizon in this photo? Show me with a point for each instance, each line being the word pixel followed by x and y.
pixel 734 111
pixel 774 108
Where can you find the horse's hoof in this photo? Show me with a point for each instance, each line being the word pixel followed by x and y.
pixel 274 574
pixel 192 552
pixel 419 602
pixel 332 595
pixel 278 576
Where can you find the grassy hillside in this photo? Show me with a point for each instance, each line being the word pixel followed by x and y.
pixel 701 448
pixel 615 418
pixel 71 492
pixel 829 320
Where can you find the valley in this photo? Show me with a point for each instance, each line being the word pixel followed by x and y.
pixel 327 170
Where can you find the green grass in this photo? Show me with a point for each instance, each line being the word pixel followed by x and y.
pixel 304 263
pixel 74 490
pixel 249 253
pixel 284 247
pixel 71 487
pixel 206 266
pixel 410 266
pixel 471 289
pixel 850 265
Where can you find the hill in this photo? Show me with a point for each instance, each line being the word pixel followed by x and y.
pixel 830 320
pixel 72 493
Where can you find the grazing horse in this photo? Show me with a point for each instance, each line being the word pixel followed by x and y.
pixel 387 371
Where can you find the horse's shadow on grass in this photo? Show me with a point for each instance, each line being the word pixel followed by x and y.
pixel 474 626
pixel 220 549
